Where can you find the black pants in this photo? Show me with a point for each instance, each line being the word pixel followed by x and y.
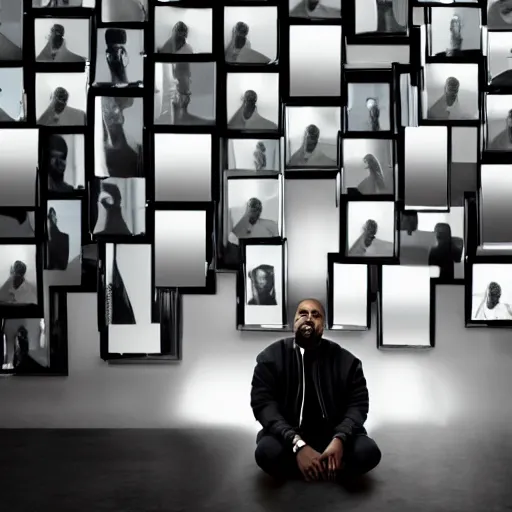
pixel 360 455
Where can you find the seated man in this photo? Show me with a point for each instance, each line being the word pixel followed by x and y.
pixel 309 153
pixel 177 42
pixel 319 436
pixel 16 289
pixel 58 113
pixel 247 117
pixel 239 49
pixel 56 49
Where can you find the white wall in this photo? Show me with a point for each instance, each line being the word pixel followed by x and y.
pixel 466 376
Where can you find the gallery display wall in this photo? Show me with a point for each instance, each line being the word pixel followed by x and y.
pixel 358 152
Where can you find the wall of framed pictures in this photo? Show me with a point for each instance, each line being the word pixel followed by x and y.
pixel 360 150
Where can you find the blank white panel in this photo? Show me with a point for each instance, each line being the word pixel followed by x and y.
pixel 180 248
pixel 18 163
pixel 426 167
pixel 376 56
pixel 496 204
pixel 315 69
pixel 134 339
pixel 405 305
pixel 350 294
pixel 269 255
pixel 183 167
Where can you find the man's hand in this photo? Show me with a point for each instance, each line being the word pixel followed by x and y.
pixel 310 465
pixel 332 456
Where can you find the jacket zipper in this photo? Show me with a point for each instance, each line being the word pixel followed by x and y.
pixel 318 392
pixel 303 386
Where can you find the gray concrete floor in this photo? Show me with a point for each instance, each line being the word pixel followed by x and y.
pixel 453 469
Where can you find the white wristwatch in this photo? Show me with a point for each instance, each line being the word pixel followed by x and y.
pixel 298 445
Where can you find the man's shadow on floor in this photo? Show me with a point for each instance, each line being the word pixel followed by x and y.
pixel 355 485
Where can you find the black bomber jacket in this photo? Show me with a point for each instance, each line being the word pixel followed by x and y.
pixel 277 389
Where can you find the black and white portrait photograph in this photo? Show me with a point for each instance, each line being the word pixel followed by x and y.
pixel 349 296
pixel 17 223
pixel 252 101
pixel 64 3
pixel 312 136
pixel 371 229
pixel 435 240
pixel 118 207
pixel 185 93
pixel 63 158
pixel 455 32
pixel 118 128
pixel 315 9
pixel 499 14
pixel 61 99
pixel 62 39
pixel 495 206
pixel 314 73
pixel 11 30
pixel 183 167
pixel 499 59
pixel 463 165
pixel 405 311
pixel 253 209
pixel 12 101
pixel 113 11
pixel 64 239
pixel 451 91
pixel 19 149
pixel 23 345
pixel 128 294
pixel 183 30
pixel 250 35
pixel 254 154
pixel 180 248
pixel 18 275
pixel 426 167
pixel 119 57
pixel 491 291
pixel 368 166
pixel 263 284
pixel 381 16
pixel 368 108
pixel 499 122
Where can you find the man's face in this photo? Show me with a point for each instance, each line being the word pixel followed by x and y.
pixel 309 320
pixel 249 107
pixel 59 103
pixel 260 279
pixel 311 141
pixel 371 103
pixel 116 58
pixel 17 277
pixel 58 161
pixel 253 212
pixel 56 37
pixel 494 297
pixel 369 234
pixel 52 217
pixel 312 4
